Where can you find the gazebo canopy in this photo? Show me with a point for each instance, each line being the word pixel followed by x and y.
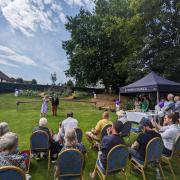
pixel 151 83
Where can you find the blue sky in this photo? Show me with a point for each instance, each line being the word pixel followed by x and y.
pixel 31 34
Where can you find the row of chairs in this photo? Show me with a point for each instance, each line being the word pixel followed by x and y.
pixel 71 162
pixel 116 160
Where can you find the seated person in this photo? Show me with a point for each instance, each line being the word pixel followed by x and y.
pixel 70 143
pixel 160 105
pixel 57 137
pixel 69 123
pixel 169 105
pixel 138 148
pixel 121 116
pixel 137 104
pixel 108 142
pixel 94 134
pixel 144 104
pixel 42 126
pixel 9 155
pixel 177 106
pixel 168 132
pixel 54 146
pixel 4 128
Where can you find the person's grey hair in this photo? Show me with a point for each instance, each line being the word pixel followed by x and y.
pixel 9 141
pixel 4 128
pixel 70 137
pixel 171 96
pixel 43 122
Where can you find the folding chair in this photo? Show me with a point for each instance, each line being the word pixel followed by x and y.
pixel 116 162
pixel 12 172
pixel 153 155
pixel 176 149
pixel 126 130
pixel 70 164
pixel 39 142
pixel 79 134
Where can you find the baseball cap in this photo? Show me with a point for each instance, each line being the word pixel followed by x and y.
pixel 145 122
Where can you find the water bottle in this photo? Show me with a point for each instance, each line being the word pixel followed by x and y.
pixel 158 175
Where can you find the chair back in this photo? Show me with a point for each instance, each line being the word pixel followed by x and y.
pixel 117 158
pixel 70 163
pixel 39 141
pixel 104 130
pixel 11 172
pixel 154 150
pixel 177 144
pixel 79 134
pixel 126 129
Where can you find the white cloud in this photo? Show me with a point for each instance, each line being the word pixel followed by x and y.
pixel 74 2
pixel 4 62
pixel 8 54
pixel 62 18
pixel 89 4
pixel 27 15
pixel 47 1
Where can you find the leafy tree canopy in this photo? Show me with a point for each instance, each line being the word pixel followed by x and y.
pixel 122 40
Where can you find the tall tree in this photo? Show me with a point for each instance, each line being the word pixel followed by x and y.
pixel 94 47
pixel 152 39
pixel 120 41
pixel 34 81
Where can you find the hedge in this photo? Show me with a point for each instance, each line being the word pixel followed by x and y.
pixel 10 87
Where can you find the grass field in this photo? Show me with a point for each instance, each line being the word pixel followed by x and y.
pixel 23 121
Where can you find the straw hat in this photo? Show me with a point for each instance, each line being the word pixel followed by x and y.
pixel 120 113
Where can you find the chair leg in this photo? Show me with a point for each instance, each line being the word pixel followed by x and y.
pixel 143 174
pixel 170 167
pixel 49 159
pixel 125 175
pixel 162 172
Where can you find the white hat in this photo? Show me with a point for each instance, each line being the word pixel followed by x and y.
pixel 120 113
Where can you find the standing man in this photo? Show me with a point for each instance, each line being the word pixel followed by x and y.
pixel 55 103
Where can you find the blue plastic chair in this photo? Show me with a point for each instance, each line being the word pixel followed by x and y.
pixel 39 142
pixel 126 131
pixel 153 155
pixel 116 162
pixel 104 130
pixel 70 164
pixel 11 172
pixel 176 149
pixel 79 134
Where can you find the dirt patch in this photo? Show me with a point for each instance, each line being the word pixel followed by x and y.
pixel 108 101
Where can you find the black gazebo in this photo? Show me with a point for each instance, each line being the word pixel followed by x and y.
pixel 151 83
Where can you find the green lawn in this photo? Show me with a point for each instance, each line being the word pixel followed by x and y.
pixel 23 121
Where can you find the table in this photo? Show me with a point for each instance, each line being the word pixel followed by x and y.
pixel 137 116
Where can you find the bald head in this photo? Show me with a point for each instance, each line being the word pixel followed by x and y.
pixel 105 115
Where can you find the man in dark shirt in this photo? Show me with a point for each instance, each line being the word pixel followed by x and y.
pixel 108 142
pixel 138 149
pixel 55 103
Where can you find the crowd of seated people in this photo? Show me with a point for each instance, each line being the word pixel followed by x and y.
pixel 67 138
pixel 9 153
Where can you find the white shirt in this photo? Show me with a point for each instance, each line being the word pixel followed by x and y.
pixel 169 135
pixel 69 123
pixel 177 106
pixel 123 119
